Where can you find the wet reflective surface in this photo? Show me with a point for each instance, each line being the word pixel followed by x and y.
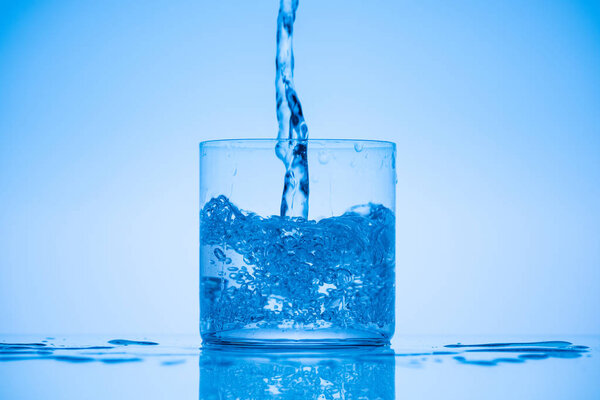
pixel 76 367
pixel 355 374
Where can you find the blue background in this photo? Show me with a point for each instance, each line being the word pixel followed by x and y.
pixel 495 107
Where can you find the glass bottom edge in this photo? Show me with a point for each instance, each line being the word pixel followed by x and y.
pixel 291 340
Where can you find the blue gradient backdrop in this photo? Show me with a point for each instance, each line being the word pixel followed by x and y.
pixel 495 107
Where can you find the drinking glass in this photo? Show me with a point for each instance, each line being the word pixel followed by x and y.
pixel 327 280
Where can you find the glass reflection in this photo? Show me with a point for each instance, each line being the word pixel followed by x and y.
pixel 363 373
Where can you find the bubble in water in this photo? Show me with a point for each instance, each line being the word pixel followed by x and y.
pixel 324 157
pixel 358 147
pixel 219 254
pixel 249 259
pixel 336 272
pixel 325 288
pixel 274 303
pixel 343 277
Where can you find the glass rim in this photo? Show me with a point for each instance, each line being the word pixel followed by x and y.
pixel 370 142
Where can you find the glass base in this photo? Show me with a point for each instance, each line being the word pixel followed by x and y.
pixel 284 338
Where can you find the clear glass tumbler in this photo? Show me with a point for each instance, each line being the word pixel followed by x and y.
pixel 327 280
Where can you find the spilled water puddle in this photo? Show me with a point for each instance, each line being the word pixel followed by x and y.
pixel 119 351
pixel 492 354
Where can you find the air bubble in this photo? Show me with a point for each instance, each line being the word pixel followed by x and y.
pixel 324 157
pixel 219 254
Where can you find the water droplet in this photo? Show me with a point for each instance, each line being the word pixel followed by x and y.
pixel 324 157
pixel 358 147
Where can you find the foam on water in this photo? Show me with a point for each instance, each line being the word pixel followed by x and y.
pixel 293 274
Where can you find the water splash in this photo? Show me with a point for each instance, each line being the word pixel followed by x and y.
pixel 293 131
